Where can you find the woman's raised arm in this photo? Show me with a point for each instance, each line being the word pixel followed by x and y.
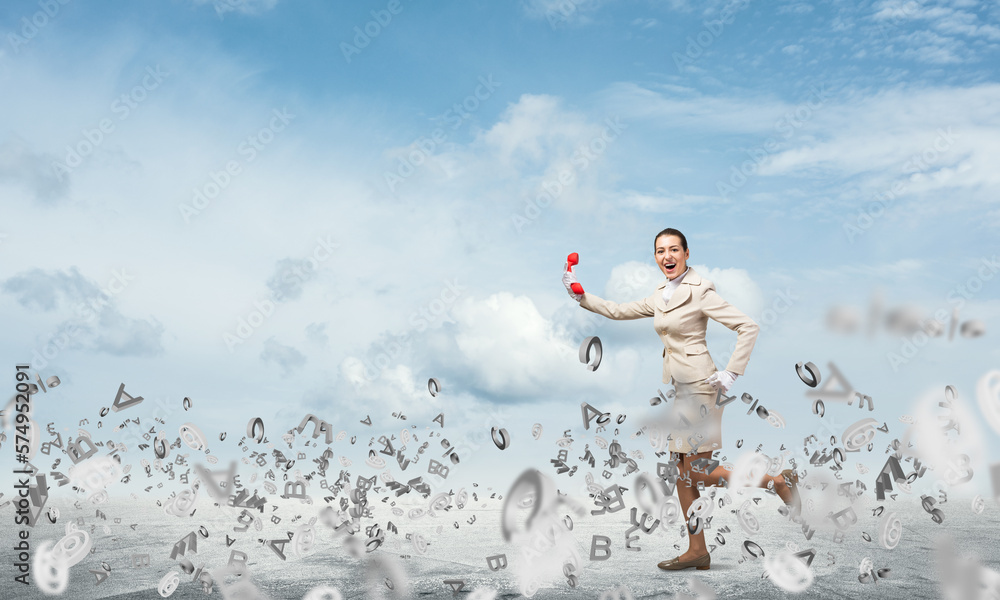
pixel 611 310
pixel 619 312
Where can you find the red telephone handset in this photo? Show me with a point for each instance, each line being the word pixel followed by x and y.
pixel 571 261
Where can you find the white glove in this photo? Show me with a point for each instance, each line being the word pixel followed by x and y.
pixel 569 279
pixel 722 379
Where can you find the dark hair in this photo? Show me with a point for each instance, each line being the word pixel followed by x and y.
pixel 671 231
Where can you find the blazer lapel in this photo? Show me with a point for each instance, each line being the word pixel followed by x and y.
pixel 658 299
pixel 681 294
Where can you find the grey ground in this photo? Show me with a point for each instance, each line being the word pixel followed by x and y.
pixel 460 553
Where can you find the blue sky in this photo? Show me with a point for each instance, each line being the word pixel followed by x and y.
pixel 350 195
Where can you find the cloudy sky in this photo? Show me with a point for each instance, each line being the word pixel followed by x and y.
pixel 277 208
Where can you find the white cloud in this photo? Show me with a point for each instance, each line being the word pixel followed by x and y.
pixel 559 12
pixel 942 18
pixel 735 286
pixel 97 323
pixel 247 7
pixel 288 358
pixel 667 202
pixel 316 334
pixel 930 33
pixel 708 7
pixel 645 22
pixel 502 349
pixel 930 47
pixel 290 275
pixel 964 23
pixel 795 8
pixel 534 129
pixel 681 108
pixel 507 346
pixel 632 281
pixel 395 389
pixel 33 170
pixel 932 139
pixel 536 143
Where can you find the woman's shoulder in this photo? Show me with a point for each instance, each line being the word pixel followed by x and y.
pixel 697 280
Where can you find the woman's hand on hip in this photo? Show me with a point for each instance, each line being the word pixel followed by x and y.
pixel 722 379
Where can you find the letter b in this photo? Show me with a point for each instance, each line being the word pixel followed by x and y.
pixel 243 328
pixel 426 145
pixel 757 154
pixel 382 16
pixel 496 562
pixel 51 7
pixel 604 547
pixel 76 454
pixel 295 489
pixel 553 187
pixel 844 518
pixel 221 178
pixel 94 136
pixel 266 307
pixel 693 50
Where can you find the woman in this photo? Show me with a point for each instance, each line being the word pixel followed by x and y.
pixel 681 307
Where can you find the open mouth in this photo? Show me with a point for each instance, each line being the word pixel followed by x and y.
pixel 670 266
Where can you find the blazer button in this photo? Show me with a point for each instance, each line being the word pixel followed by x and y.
pixel 669 351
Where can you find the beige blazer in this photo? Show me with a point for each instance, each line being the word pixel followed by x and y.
pixel 682 323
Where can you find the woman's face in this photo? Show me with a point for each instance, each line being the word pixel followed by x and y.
pixel 670 257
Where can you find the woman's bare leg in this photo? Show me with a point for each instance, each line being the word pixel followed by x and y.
pixel 687 496
pixel 778 482
pixel 780 487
